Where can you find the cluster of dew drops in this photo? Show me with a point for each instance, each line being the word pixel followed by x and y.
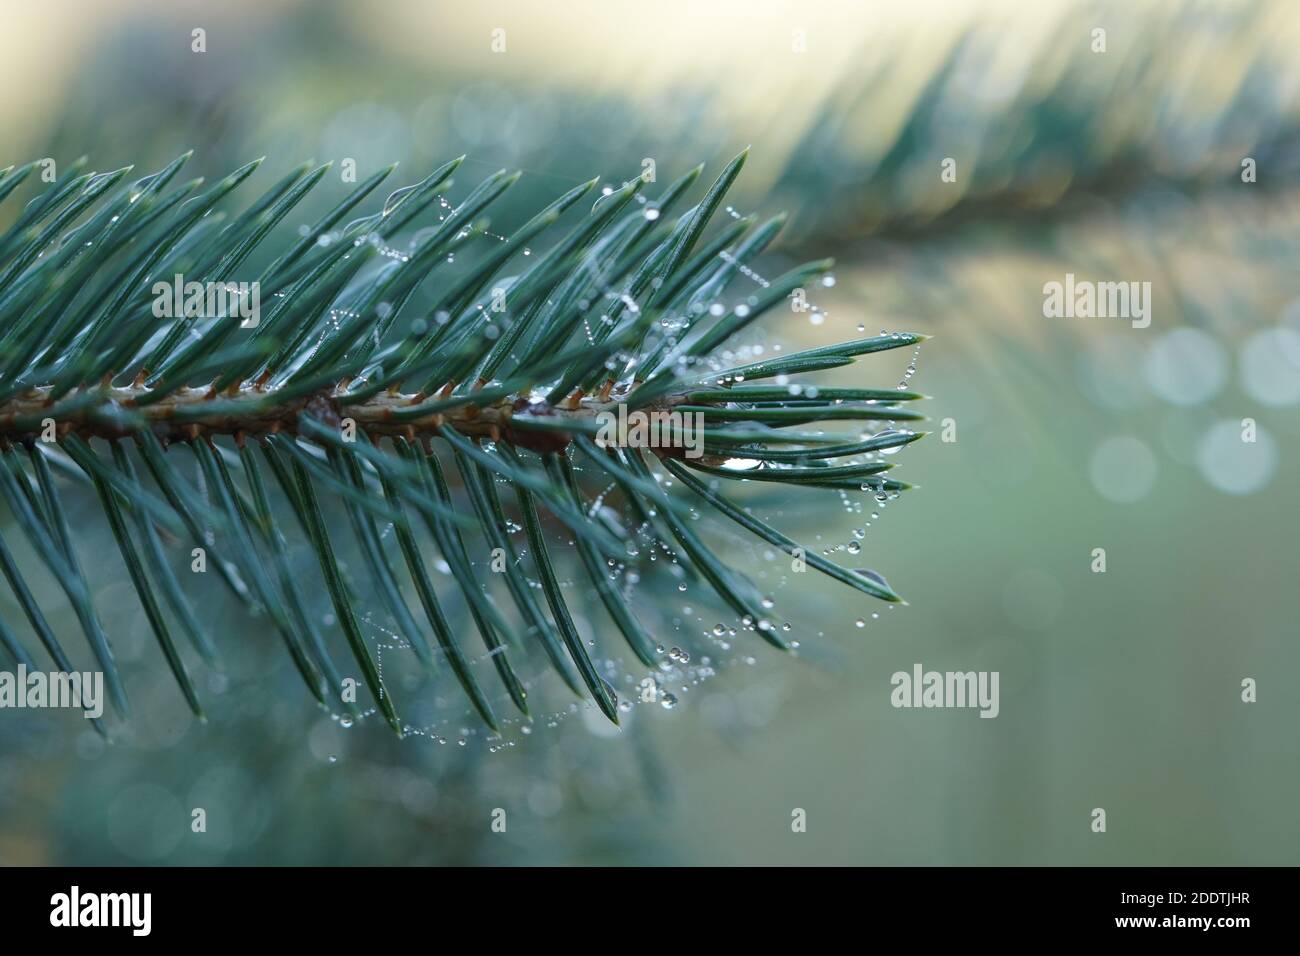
pixel 880 496
pixel 676 673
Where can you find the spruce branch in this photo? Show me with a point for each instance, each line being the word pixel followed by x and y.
pixel 377 358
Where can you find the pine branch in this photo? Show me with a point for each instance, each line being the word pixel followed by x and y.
pixel 376 359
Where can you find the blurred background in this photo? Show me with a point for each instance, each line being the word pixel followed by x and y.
pixel 1116 156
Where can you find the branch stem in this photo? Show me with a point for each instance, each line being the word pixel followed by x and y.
pixel 189 413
